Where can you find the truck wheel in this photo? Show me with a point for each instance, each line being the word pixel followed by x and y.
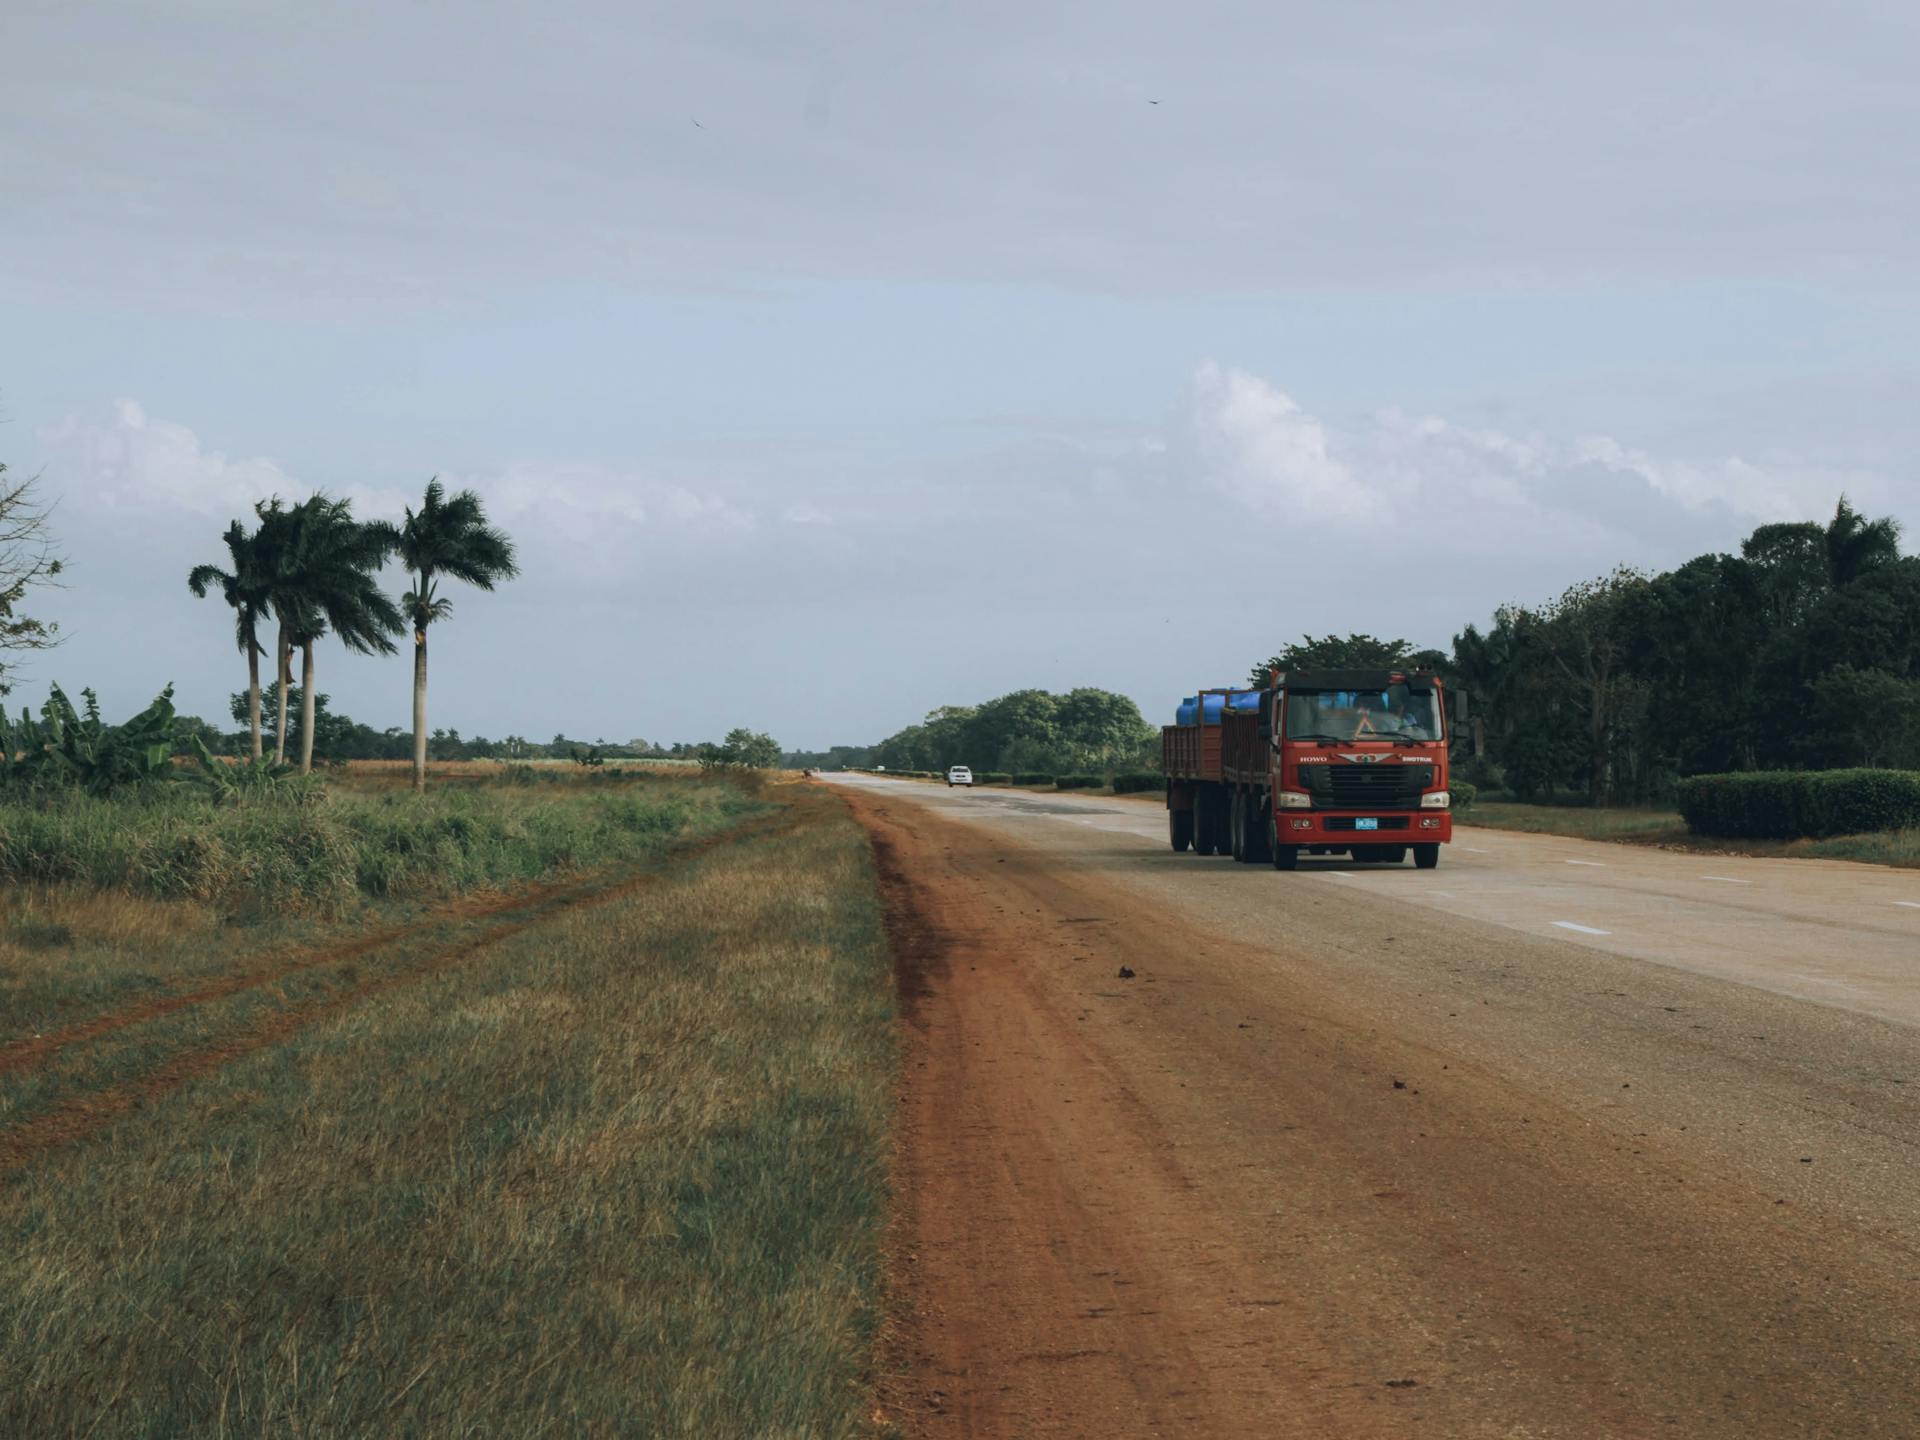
pixel 1237 828
pixel 1204 837
pixel 1426 857
pixel 1180 830
pixel 1258 844
pixel 1281 857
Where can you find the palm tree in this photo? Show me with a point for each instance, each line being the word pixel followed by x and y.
pixel 444 537
pixel 325 581
pixel 276 545
pixel 246 588
pixel 1856 544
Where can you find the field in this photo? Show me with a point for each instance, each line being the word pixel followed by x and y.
pixel 586 1134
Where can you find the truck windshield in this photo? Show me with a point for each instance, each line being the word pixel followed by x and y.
pixel 1395 713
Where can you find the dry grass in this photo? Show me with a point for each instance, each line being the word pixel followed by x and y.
pixel 618 1171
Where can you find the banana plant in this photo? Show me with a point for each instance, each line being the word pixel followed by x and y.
pixel 74 748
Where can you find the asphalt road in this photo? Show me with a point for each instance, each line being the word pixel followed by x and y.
pixel 1831 931
pixel 1561 1139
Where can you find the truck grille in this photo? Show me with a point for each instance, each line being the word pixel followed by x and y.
pixel 1343 785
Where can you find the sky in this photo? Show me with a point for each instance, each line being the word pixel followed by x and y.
pixel 830 362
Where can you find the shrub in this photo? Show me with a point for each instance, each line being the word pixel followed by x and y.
pixel 1079 782
pixel 1790 804
pixel 1463 792
pixel 1138 780
pixel 1031 777
pixel 993 777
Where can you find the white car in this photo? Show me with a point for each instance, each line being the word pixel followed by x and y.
pixel 959 775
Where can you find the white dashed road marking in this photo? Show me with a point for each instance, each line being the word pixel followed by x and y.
pixel 1583 929
pixel 1726 880
pixel 1910 904
pixel 1596 864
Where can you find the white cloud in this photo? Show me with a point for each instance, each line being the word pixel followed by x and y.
pixel 1426 475
pixel 1257 446
pixel 1757 493
pixel 131 460
pixel 128 461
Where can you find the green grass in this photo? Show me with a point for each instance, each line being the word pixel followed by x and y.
pixel 619 1172
pixel 345 842
pixel 1578 821
pixel 1900 848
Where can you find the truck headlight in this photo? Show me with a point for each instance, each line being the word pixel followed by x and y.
pixel 1295 800
pixel 1435 800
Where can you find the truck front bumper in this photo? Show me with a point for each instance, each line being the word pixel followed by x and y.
pixel 1339 828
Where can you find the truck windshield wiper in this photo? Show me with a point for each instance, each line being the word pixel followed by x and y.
pixel 1323 739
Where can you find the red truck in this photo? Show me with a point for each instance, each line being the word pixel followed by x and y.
pixel 1322 762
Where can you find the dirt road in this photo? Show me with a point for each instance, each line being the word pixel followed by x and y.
pixel 1193 1149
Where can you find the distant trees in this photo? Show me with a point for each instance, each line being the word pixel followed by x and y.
pixel 1082 731
pixel 28 561
pixel 1345 652
pixel 743 749
pixel 1801 650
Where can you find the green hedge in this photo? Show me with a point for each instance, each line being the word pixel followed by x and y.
pixel 1138 780
pixel 993 777
pixel 1031 777
pixel 1462 792
pixel 1789 804
pixel 1079 782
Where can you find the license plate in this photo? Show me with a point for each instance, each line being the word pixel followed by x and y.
pixel 1366 824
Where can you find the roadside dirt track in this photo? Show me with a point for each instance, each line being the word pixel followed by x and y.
pixel 1328 1165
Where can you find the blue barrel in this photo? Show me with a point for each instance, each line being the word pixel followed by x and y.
pixel 1239 702
pixel 1189 711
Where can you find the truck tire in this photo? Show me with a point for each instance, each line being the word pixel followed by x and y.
pixel 1205 832
pixel 1258 843
pixel 1281 857
pixel 1426 857
pixel 1237 828
pixel 1180 830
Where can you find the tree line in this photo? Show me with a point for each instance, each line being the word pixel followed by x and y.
pixel 1800 651
pixel 1083 731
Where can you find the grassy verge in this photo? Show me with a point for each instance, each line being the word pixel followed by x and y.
pixel 326 847
pixel 1641 826
pixel 1665 828
pixel 612 1166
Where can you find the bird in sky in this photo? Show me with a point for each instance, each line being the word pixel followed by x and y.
pixel 698 126
pixel 1153 102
